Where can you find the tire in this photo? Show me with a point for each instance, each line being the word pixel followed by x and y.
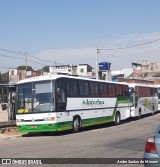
pixel 139 115
pixel 152 113
pixel 76 125
pixel 117 118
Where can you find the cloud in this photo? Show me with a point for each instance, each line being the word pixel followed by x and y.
pixel 69 56
pixel 119 58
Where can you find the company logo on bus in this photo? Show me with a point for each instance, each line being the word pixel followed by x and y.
pixel 88 102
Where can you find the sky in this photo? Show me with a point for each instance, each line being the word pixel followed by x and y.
pixel 62 32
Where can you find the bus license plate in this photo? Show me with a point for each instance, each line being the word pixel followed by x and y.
pixel 33 127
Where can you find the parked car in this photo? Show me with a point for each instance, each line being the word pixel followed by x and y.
pixel 152 150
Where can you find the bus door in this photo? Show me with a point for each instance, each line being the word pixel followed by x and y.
pixel 61 95
pixel 132 96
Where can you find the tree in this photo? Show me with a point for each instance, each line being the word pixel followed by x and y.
pixel 4 77
pixel 45 69
pixel 22 67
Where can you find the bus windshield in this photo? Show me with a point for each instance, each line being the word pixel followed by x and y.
pixel 35 97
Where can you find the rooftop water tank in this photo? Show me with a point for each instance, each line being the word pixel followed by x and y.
pixel 104 66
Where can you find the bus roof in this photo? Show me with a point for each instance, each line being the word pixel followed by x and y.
pixel 143 85
pixel 54 77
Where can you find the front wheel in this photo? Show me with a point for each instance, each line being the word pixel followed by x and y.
pixel 139 115
pixel 76 125
pixel 117 118
pixel 152 112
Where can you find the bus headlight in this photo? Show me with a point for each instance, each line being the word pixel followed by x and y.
pixel 49 119
pixel 19 120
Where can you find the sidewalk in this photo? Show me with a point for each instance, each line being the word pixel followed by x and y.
pixel 9 133
pixel 4 119
pixel 4 137
pixel 4 124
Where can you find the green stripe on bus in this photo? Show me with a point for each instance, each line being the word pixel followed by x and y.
pixel 45 127
pixel 62 125
pixel 96 121
pixel 123 100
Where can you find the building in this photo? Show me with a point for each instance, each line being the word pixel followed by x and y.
pixel 84 70
pixel 146 73
pixel 65 69
pixel 17 75
pixel 80 70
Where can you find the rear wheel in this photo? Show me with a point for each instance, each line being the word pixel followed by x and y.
pixel 139 114
pixel 117 118
pixel 152 112
pixel 76 125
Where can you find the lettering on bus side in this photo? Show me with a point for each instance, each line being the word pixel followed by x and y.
pixel 87 102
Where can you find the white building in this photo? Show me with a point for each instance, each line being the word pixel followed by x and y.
pixel 84 70
pixel 81 69
pixel 125 72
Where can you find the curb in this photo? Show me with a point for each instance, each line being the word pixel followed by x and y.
pixel 6 124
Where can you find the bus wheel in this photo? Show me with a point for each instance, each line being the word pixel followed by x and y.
pixel 117 118
pixel 152 112
pixel 139 114
pixel 76 124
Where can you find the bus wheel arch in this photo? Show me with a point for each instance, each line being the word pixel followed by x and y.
pixel 76 123
pixel 117 118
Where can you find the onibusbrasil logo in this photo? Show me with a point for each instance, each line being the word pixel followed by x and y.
pixel 87 102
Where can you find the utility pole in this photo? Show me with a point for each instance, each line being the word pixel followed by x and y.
pixel 26 60
pixel 25 54
pixel 97 63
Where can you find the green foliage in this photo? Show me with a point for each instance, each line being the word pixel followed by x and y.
pixel 29 68
pixel 4 78
pixel 45 69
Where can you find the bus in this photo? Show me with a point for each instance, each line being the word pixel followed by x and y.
pixel 144 99
pixel 60 102
pixel 158 87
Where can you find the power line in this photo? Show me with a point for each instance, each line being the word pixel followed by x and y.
pixel 104 59
pixel 38 63
pixel 15 57
pixel 132 46
pixel 11 51
pixel 22 53
pixel 39 58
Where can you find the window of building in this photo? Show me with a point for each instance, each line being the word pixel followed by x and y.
pixel 81 70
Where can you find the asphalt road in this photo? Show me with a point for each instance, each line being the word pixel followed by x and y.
pixel 124 141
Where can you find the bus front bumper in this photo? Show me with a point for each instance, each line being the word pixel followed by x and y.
pixel 53 127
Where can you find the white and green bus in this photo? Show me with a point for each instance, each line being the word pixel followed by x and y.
pixel 158 88
pixel 144 99
pixel 58 102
